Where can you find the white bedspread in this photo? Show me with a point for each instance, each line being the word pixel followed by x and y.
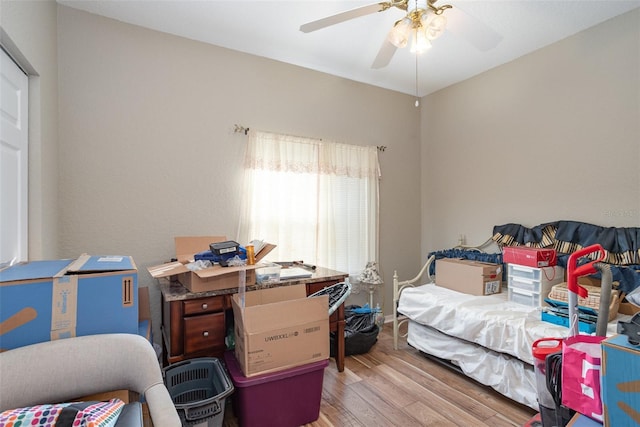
pixel 507 375
pixel 490 321
pixel 488 337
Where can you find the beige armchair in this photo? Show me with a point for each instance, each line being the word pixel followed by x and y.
pixel 57 371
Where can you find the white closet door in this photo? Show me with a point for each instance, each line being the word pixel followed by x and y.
pixel 13 161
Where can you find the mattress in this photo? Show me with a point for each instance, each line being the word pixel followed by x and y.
pixel 506 374
pixel 488 337
pixel 491 321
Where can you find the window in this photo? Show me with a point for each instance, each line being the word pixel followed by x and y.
pixel 316 200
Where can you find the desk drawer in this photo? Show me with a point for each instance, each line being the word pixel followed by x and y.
pixel 203 305
pixel 203 332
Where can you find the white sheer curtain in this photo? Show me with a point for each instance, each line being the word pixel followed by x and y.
pixel 316 200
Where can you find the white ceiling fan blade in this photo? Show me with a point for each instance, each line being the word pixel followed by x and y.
pixel 471 29
pixel 341 17
pixel 385 54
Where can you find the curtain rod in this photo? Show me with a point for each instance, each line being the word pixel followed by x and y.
pixel 242 129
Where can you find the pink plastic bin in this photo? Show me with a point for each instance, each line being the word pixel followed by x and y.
pixel 280 399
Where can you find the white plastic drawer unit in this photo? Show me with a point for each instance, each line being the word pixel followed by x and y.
pixel 531 285
pixel 539 274
pixel 525 297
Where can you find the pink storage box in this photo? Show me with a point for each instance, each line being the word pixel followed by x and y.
pixel 287 398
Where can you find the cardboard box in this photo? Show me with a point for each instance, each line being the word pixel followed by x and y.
pixel 144 314
pixel 279 328
pixel 579 420
pixel 48 300
pixel 469 277
pixel 208 279
pixel 628 308
pixel 531 257
pixel 620 382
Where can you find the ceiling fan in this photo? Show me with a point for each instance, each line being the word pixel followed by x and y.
pixel 424 22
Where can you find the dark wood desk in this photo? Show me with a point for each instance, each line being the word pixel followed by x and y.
pixel 195 324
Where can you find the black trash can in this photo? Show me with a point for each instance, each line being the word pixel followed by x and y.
pixel 360 331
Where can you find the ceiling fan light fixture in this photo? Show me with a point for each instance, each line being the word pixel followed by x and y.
pixel 435 26
pixel 420 41
pixel 400 33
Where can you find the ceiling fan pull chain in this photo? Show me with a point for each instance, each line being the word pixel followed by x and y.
pixel 417 98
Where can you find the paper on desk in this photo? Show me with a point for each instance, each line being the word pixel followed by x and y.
pixel 294 273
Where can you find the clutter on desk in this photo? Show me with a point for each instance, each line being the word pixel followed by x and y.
pixel 302 264
pixel 214 277
pixel 222 252
pixel 270 273
pixel 294 273
pixel 231 253
pixel 289 264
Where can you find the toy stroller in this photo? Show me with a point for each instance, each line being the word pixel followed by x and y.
pixel 554 361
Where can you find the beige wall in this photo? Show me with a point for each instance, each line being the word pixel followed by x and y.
pixel 148 152
pixel 28 33
pixel 554 135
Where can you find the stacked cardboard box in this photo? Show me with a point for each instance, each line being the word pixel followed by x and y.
pixel 279 328
pixel 470 277
pixel 282 348
pixel 53 299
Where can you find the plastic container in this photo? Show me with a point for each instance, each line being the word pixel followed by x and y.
pixel 541 349
pixel 198 388
pixel 268 274
pixel 523 297
pixel 288 398
pixel 531 285
pixel 539 274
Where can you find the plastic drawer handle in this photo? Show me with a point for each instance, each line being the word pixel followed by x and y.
pixel 205 334
pixel 523 292
pixel 205 306
pixel 524 280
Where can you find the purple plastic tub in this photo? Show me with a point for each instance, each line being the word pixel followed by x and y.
pixel 290 397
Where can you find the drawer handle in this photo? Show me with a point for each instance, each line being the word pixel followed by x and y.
pixel 205 306
pixel 205 334
pixel 523 280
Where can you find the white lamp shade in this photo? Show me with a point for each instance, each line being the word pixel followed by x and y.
pixel 370 274
pixel 435 26
pixel 420 41
pixel 400 33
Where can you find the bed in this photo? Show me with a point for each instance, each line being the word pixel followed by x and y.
pixel 487 338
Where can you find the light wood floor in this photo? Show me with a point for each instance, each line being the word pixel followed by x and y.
pixel 403 388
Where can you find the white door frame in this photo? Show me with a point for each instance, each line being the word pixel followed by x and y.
pixel 14 161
